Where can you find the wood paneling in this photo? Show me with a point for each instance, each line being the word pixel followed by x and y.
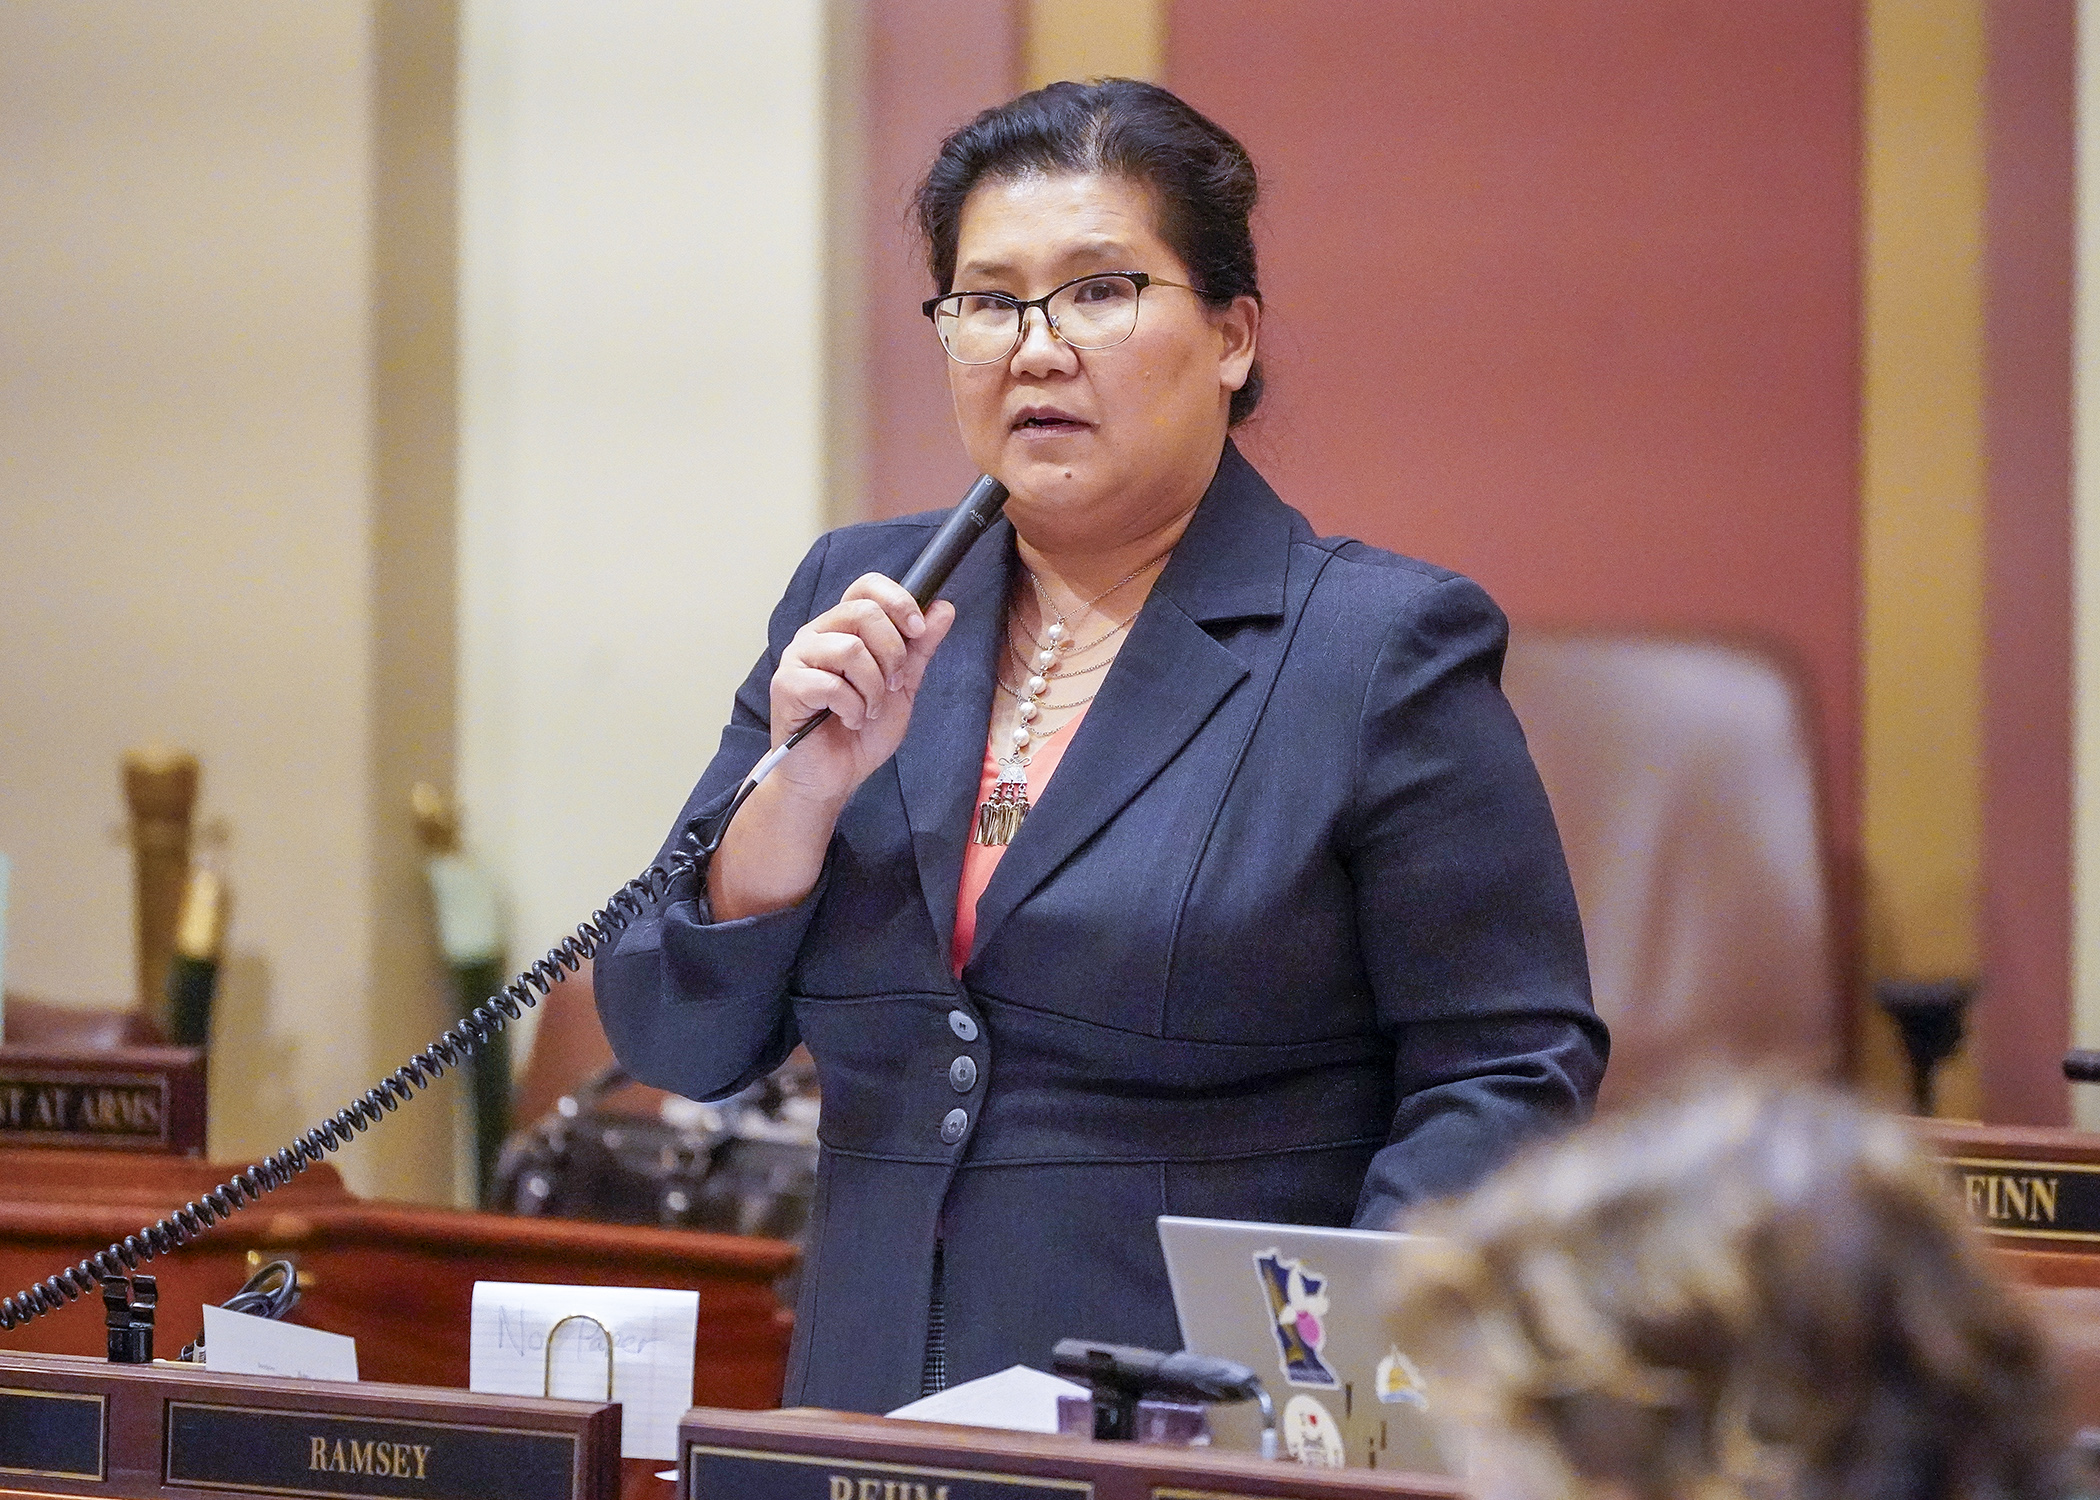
pixel 398 1278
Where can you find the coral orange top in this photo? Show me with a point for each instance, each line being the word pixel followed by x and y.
pixel 979 860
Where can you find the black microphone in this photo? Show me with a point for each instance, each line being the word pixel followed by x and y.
pixel 1148 1372
pixel 1121 1376
pixel 922 580
pixel 930 569
pixel 2082 1066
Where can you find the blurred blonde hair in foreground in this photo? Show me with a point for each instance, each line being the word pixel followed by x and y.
pixel 1758 1291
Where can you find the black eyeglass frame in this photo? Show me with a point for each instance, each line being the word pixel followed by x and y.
pixel 1138 279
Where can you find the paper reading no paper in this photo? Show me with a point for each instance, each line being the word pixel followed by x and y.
pixel 652 1364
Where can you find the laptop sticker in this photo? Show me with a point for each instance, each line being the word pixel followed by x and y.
pixel 1399 1382
pixel 1298 1309
pixel 1311 1435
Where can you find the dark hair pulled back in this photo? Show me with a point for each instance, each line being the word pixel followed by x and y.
pixel 1202 179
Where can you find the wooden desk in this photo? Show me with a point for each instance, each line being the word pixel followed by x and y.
pixel 823 1453
pixel 398 1278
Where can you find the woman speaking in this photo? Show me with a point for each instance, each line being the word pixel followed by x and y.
pixel 1177 861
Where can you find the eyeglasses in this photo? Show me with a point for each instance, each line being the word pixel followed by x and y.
pixel 1088 312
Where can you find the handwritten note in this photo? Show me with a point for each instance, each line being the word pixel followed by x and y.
pixel 241 1344
pixel 651 1334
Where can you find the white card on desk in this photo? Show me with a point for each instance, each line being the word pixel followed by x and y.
pixel 652 1352
pixel 241 1344
pixel 1017 1398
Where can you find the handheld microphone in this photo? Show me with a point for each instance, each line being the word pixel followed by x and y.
pixel 922 580
pixel 930 569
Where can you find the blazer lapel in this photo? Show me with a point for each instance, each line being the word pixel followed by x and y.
pixel 1168 679
pixel 941 758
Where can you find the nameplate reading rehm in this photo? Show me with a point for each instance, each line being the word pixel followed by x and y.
pixel 301 1453
pixel 51 1434
pixel 2036 1200
pixel 737 1473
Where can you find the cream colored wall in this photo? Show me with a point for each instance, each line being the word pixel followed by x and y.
pixel 643 422
pixel 1093 39
pixel 187 431
pixel 1921 512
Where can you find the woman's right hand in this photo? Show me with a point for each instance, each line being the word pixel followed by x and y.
pixel 863 659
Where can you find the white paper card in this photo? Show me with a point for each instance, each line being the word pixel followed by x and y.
pixel 652 1365
pixel 1017 1398
pixel 241 1344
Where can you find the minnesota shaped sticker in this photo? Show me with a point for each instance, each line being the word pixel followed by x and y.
pixel 1297 1297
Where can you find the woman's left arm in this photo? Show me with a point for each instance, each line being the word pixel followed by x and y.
pixel 1465 915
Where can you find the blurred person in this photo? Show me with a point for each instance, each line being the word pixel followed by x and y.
pixel 1764 1292
pixel 1288 936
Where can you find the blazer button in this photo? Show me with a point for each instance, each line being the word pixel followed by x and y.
pixel 952 1128
pixel 963 1074
pixel 960 1023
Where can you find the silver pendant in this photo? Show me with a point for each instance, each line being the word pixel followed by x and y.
pixel 999 815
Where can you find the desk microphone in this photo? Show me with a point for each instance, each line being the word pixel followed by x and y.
pixel 1122 1375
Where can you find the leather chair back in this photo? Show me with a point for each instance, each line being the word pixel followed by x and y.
pixel 1683 776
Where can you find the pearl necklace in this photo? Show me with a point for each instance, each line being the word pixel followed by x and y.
pixel 999 815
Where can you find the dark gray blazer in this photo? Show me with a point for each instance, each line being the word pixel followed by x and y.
pixel 1288 937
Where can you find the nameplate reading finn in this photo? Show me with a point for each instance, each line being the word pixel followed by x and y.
pixel 300 1453
pixel 51 1434
pixel 2030 1200
pixel 738 1473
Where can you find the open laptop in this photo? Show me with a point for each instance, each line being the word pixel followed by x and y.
pixel 1306 1310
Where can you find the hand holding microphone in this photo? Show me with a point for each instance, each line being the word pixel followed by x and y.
pixel 861 662
pixel 841 700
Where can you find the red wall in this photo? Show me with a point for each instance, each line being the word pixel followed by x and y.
pixel 2022 1021
pixel 1563 294
pixel 931 65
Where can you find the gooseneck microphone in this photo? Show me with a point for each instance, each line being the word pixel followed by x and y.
pixel 1122 1375
pixel 922 580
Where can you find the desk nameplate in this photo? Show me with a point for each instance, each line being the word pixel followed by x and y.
pixel 801 1454
pixel 121 1099
pixel 730 1473
pixel 172 1428
pixel 2029 1200
pixel 53 1434
pixel 278 1452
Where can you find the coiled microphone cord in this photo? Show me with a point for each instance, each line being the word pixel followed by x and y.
pixel 928 571
pixel 396 1089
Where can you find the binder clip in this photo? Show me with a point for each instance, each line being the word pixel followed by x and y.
pixel 127 1304
pixel 547 1377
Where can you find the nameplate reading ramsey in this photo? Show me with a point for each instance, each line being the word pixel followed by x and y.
pixel 51 1434
pixel 351 1458
pixel 737 1473
pixel 2033 1200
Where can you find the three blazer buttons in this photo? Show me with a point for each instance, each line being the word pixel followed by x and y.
pixel 962 1076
